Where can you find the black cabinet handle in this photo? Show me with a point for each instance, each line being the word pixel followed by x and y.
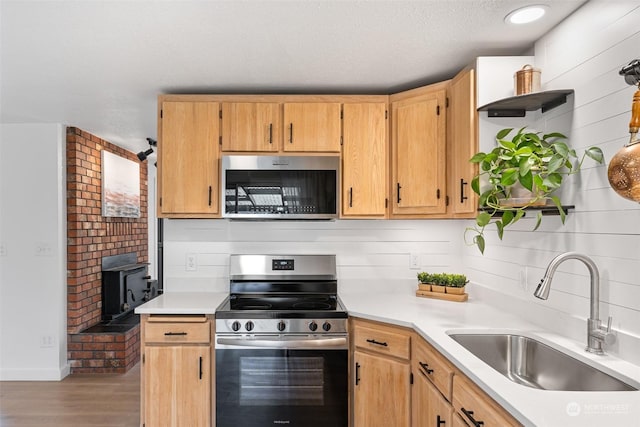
pixel 200 367
pixel 290 133
pixel 350 197
pixel 270 133
pixel 399 187
pixel 357 373
pixel 439 421
pixel 384 344
pixel 209 195
pixel 462 196
pixel 173 334
pixel 469 415
pixel 425 366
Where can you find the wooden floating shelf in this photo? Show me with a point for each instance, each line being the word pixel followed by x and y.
pixel 517 106
pixel 546 210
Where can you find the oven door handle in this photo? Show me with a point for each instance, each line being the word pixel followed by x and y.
pixel 335 343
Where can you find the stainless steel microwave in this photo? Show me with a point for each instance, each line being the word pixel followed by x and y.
pixel 280 187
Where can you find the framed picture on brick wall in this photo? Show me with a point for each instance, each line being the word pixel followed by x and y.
pixel 120 186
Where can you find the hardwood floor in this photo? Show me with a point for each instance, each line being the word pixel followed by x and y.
pixel 80 400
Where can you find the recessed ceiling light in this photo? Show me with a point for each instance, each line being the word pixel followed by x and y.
pixel 526 14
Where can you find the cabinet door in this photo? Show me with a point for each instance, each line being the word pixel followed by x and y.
pixel 463 144
pixel 177 386
pixel 188 159
pixel 251 126
pixel 430 409
pixel 382 392
pixel 419 164
pixel 364 160
pixel 312 127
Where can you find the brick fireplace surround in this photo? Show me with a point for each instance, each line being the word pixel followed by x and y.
pixel 90 236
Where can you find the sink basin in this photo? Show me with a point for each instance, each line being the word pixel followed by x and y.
pixel 532 363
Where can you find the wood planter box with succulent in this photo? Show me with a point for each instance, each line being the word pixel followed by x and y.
pixel 529 162
pixel 442 286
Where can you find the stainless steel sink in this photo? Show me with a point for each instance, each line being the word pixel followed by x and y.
pixel 534 364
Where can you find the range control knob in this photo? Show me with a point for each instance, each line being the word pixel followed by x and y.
pixel 313 326
pixel 249 325
pixel 281 326
pixel 326 326
pixel 235 326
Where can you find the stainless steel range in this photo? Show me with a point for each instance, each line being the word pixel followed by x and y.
pixel 281 344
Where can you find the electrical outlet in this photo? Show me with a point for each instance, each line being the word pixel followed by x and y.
pixel 3 249
pixel 414 261
pixel 192 262
pixel 43 249
pixel 47 341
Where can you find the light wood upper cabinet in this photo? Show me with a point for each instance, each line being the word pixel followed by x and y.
pixel 188 157
pixel 312 127
pixel 463 144
pixel 418 140
pixel 251 126
pixel 364 160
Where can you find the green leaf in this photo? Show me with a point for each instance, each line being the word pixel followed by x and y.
pixel 556 201
pixel 509 176
pixel 553 135
pixel 500 229
pixel 483 219
pixel 506 144
pixel 538 181
pixel 525 166
pixel 479 241
pixel 507 217
pixel 519 214
pixel 553 180
pixel 538 220
pixel 595 153
pixel 556 163
pixel 527 180
pixel 525 151
pixel 475 184
pixel 503 133
pixel 561 148
pixel 478 157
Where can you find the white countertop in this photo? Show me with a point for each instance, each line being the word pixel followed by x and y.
pixel 433 319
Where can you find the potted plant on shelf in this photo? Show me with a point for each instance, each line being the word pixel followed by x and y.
pixel 520 172
pixel 439 282
pixel 456 284
pixel 425 280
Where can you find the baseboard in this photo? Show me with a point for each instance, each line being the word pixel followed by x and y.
pixel 35 374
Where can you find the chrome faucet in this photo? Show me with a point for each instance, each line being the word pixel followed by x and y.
pixel 596 334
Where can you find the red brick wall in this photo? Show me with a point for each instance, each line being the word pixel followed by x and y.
pixel 90 236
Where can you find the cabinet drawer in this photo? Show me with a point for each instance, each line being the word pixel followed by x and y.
pixel 427 361
pixel 384 340
pixel 467 398
pixel 177 332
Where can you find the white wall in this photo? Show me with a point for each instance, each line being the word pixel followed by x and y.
pixel 33 290
pixel 583 53
pixel 371 255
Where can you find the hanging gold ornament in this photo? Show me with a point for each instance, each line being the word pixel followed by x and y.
pixel 624 167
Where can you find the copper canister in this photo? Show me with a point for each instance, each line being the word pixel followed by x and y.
pixel 526 80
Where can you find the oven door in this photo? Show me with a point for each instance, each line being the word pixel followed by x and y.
pixel 281 380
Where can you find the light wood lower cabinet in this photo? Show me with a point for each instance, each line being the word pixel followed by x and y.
pixel 431 409
pixel 382 375
pixel 476 408
pixel 177 375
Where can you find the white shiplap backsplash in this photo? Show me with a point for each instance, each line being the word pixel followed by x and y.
pixel 584 53
pixel 370 254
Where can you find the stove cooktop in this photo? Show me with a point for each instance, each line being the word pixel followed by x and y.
pixel 281 306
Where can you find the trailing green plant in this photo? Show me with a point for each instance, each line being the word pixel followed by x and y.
pixel 535 161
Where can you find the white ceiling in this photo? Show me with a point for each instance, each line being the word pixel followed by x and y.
pixel 99 65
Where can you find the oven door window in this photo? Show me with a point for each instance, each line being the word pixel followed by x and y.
pixel 262 387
